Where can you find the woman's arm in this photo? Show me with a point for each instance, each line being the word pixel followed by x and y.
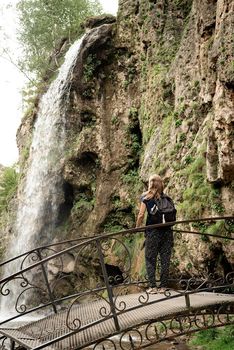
pixel 141 214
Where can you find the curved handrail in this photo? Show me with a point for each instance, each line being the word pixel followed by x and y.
pixel 132 230
pixel 108 235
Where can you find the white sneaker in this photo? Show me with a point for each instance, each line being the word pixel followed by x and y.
pixel 152 290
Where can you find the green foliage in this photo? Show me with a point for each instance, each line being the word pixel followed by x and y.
pixel 83 203
pixel 135 145
pixel 118 220
pixel 188 159
pixel 178 122
pixel 175 262
pixel 182 137
pixel 8 186
pixel 89 68
pixel 43 23
pixel 88 93
pixel 215 339
pixel 183 5
pixel 133 243
pixel 218 208
pixel 131 72
pixel 115 120
pixel 189 266
pixel 217 228
pixel 133 140
pixel 113 228
pixel 131 178
pixel 133 113
pixel 128 241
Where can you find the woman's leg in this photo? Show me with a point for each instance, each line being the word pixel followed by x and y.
pixel 151 252
pixel 165 250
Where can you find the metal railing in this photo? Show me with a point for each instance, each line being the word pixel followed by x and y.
pixel 37 283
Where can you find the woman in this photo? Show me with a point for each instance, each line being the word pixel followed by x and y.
pixel 158 241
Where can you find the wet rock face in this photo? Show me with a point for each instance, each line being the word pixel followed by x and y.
pixel 93 22
pixel 100 126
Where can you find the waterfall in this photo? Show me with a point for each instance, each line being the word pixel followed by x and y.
pixel 42 193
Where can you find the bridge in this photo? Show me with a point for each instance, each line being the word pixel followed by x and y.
pixel 117 313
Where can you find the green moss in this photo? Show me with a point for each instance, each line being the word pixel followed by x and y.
pixel 198 194
pixel 25 154
pixel 215 338
pixel 215 228
pixel 159 71
pixel 165 131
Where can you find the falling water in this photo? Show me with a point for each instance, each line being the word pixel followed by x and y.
pixel 42 195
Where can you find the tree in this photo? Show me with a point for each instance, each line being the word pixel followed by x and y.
pixel 44 23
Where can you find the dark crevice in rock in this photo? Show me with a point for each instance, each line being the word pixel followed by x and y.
pixel 136 142
pixel 66 206
pixel 137 9
pixel 87 118
pixel 88 160
pixel 115 275
pixel 146 45
pixel 218 260
pixel 208 30
pixel 84 192
pixel 229 85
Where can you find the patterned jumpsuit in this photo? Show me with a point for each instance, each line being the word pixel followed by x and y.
pixel 158 242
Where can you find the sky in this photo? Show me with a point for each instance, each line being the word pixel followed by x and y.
pixel 12 82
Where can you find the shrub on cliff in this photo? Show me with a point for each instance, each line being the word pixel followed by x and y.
pixel 8 186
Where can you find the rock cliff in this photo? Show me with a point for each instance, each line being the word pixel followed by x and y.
pixel 152 92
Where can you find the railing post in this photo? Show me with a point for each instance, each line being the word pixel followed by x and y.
pixel 187 300
pixel 51 296
pixel 108 286
pixel 12 344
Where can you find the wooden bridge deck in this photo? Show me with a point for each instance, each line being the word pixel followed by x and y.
pixel 35 334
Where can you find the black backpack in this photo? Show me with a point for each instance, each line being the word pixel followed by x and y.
pixel 161 210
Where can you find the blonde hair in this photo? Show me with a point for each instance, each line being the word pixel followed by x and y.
pixel 155 187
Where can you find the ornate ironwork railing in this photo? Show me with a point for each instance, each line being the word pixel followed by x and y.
pixel 45 279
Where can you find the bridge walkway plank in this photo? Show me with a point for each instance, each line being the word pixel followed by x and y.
pixel 39 332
